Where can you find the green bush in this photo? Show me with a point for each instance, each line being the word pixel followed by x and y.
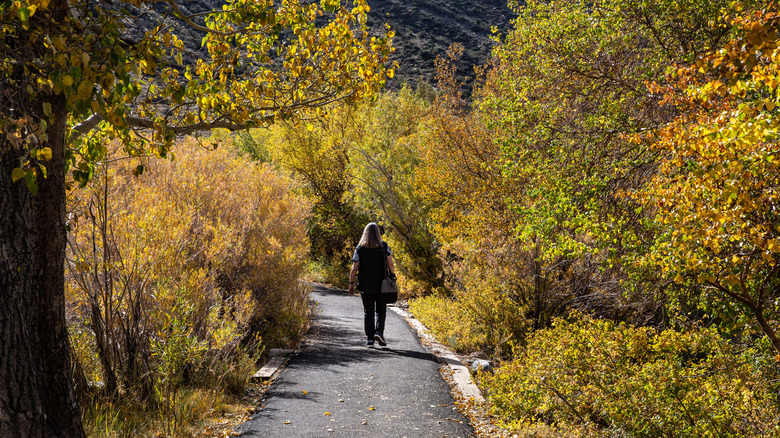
pixel 483 319
pixel 635 382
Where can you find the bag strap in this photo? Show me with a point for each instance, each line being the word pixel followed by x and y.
pixel 384 259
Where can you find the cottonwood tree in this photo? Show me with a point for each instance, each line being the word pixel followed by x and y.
pixel 567 92
pixel 383 159
pixel 717 195
pixel 71 79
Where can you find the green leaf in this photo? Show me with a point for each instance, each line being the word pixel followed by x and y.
pixel 24 16
pixel 84 90
pixel 32 184
pixel 81 177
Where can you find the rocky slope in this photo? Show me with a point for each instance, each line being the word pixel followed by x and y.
pixel 424 30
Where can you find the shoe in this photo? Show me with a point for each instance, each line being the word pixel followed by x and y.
pixel 380 339
pixel 370 343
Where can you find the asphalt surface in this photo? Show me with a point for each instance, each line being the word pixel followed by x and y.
pixel 337 387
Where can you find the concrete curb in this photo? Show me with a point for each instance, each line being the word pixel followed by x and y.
pixel 460 373
pixel 269 369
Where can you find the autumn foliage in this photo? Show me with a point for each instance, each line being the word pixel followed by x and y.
pixel 74 82
pixel 266 61
pixel 613 379
pixel 716 195
pixel 601 217
pixel 181 277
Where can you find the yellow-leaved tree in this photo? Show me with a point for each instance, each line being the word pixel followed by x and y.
pixel 71 77
pixel 717 195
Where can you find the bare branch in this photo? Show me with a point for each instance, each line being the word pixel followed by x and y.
pixel 84 127
pixel 186 129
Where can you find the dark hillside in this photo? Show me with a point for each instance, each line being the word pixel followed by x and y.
pixel 424 30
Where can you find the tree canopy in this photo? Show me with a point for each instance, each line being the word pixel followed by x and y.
pixel 71 78
pixel 716 196
pixel 265 61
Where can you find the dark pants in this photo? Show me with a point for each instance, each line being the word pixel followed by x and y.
pixel 373 304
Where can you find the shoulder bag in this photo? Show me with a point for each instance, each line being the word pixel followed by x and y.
pixel 389 288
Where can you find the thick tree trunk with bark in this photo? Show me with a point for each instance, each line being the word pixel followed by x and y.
pixel 37 398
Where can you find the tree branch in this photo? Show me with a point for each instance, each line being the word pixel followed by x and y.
pixel 188 19
pixel 138 122
pixel 746 300
pixel 84 127
pixel 223 122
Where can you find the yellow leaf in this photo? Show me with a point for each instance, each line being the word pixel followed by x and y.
pixel 17 174
pixel 67 80
pixel 84 90
pixel 44 154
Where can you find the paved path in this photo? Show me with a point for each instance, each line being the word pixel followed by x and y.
pixel 336 387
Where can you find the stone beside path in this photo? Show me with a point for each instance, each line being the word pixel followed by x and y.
pixel 336 386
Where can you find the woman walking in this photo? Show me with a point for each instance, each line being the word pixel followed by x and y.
pixel 368 271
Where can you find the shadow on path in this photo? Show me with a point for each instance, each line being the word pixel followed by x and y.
pixel 335 386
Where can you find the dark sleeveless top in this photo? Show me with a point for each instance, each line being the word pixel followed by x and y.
pixel 371 270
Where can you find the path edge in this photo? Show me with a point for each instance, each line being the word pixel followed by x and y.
pixel 460 372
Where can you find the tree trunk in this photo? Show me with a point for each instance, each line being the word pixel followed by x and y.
pixel 37 398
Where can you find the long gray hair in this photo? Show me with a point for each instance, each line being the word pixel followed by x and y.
pixel 371 236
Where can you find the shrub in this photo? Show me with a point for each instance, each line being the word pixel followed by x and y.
pixel 179 277
pixel 635 381
pixel 482 319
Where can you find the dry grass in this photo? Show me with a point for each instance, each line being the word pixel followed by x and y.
pixel 202 414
